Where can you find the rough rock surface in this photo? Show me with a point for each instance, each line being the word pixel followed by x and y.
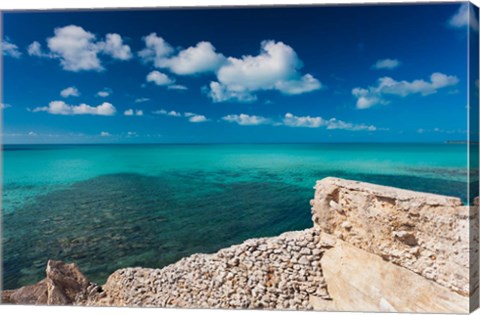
pixel 425 233
pixel 64 284
pixel 281 272
pixel 32 294
pixel 361 281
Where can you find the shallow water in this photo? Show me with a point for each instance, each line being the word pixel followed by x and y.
pixel 110 206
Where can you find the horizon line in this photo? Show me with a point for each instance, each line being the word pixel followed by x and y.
pixel 246 143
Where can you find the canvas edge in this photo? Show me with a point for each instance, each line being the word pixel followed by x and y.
pixel 1 158
pixel 473 152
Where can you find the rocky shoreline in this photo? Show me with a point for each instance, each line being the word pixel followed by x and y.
pixel 368 247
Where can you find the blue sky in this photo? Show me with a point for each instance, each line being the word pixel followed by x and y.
pixel 317 74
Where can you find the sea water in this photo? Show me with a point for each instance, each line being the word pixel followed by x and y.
pixel 105 207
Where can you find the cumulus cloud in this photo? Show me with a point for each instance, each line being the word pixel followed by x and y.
pixel 132 134
pixel 386 64
pixel 78 49
pixel 221 93
pixel 465 16
pixel 133 112
pixel 197 118
pixel 333 123
pixel 105 134
pixel 3 105
pixel 159 78
pixel 35 49
pixel 275 68
pixel 374 95
pixel 61 108
pixel 156 50
pixel 444 131
pixel 9 49
pixel 177 87
pixel 291 120
pixel 317 122
pixel 104 93
pixel 246 120
pixel 167 113
pixel 113 46
pixel 191 117
pixel 141 100
pixel 70 91
pixel 305 84
pixel 303 121
pixel 194 60
pixel 197 59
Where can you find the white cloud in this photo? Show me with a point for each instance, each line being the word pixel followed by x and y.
pixel 374 95
pixel 78 49
pixel 35 49
pixel 70 91
pixel 192 117
pixel 160 112
pixel 131 134
pixel 220 93
pixel 194 60
pixel 141 100
pixel 305 84
pixel 159 78
pixel 275 68
pixel 3 105
pixel 463 17
pixel 367 98
pixel 177 87
pixel 156 50
pixel 303 121
pixel 167 113
pixel 105 134
pixel 333 123
pixel 113 46
pixel 197 59
pixel 291 120
pixel 133 112
pixel 104 93
pixel 174 113
pixel 61 108
pixel 246 120
pixel 442 131
pixel 32 134
pixel 386 64
pixel 197 119
pixel 9 49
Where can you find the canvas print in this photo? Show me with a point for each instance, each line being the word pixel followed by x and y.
pixel 320 157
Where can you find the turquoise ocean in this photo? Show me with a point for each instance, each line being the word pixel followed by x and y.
pixel 106 207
